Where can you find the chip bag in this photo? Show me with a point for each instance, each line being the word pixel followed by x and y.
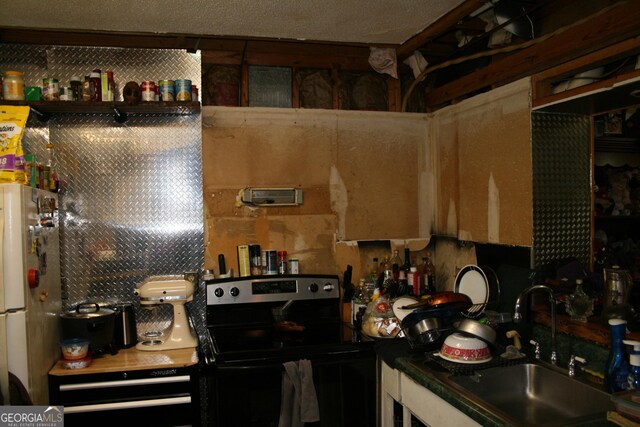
pixel 13 120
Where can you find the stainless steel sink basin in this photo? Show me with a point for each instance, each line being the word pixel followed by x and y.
pixel 531 394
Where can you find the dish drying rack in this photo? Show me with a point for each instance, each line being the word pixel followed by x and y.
pixel 470 369
pixel 475 310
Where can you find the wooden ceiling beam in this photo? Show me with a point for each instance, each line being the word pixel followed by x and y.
pixel 215 50
pixel 606 29
pixel 441 26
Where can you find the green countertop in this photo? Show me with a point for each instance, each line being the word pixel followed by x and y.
pixel 416 365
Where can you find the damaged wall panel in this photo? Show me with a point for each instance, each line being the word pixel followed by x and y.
pixel 485 175
pixel 358 171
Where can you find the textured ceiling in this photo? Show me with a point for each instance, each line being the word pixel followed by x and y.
pixel 349 21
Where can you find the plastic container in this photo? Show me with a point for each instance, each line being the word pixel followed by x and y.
pixel 616 375
pixel 77 363
pixel 13 86
pixel 74 348
pixel 294 266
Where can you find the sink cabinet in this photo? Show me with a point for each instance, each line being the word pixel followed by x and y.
pixel 417 403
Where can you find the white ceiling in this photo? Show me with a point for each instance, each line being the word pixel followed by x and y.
pixel 349 21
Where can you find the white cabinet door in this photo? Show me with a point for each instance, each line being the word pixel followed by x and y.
pixel 430 408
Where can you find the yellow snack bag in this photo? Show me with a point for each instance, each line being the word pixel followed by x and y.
pixel 13 120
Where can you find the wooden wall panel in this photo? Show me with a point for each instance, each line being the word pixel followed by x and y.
pixel 358 171
pixel 485 171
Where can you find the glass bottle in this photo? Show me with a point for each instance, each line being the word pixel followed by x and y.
pixel 359 304
pixel 76 88
pixel 395 262
pixel 51 175
pixel 374 270
pixel 86 89
pixel 95 86
pixel 578 304
pixel 282 262
pixel 617 368
pixel 407 259
pixel 13 86
pixel 429 278
pixel 388 282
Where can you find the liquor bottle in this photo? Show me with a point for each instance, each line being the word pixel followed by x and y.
pixel 407 260
pixel 388 282
pixel 429 278
pixel 359 304
pixel 374 270
pixel 395 262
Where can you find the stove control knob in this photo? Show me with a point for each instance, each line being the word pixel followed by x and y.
pixel 234 291
pixel 218 292
pixel 328 287
pixel 313 287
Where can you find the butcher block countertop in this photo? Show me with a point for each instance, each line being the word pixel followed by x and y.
pixel 131 359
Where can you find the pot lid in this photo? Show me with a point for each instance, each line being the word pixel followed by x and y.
pixel 87 311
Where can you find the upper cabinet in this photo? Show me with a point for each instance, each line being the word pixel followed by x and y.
pixel 482 151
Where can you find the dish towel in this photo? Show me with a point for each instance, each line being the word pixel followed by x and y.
pixel 299 403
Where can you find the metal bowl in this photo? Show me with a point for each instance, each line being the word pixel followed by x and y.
pixel 478 330
pixel 425 331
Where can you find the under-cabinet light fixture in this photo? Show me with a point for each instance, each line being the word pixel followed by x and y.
pixel 266 197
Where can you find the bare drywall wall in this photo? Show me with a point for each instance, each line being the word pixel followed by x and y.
pixel 360 173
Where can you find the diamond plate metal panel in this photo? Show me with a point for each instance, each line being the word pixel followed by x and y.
pixel 131 194
pixel 561 187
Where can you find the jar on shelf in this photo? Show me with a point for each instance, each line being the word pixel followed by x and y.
pixel 13 86
pixel 282 262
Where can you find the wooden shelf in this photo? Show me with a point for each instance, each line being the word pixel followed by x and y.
pixel 119 109
pixel 594 330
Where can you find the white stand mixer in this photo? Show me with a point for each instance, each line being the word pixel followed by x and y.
pixel 176 292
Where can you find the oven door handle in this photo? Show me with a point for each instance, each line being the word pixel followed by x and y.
pixel 267 365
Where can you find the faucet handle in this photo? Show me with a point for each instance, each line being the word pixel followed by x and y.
pixel 573 360
pixel 536 351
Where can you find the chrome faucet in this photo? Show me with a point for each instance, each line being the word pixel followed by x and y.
pixel 517 315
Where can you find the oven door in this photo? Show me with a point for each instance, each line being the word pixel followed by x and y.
pixel 247 391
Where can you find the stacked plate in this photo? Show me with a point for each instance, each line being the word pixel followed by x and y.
pixel 481 285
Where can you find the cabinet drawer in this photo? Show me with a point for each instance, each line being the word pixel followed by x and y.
pixel 160 397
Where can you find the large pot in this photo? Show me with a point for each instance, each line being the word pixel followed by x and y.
pixel 93 322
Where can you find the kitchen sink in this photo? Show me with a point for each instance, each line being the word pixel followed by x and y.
pixel 531 394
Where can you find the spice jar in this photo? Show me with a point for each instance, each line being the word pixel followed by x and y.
pixel 13 86
pixel 95 86
pixel 282 262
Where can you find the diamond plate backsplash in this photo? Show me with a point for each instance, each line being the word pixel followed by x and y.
pixel 561 187
pixel 131 194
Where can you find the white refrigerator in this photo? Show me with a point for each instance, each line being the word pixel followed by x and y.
pixel 30 292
